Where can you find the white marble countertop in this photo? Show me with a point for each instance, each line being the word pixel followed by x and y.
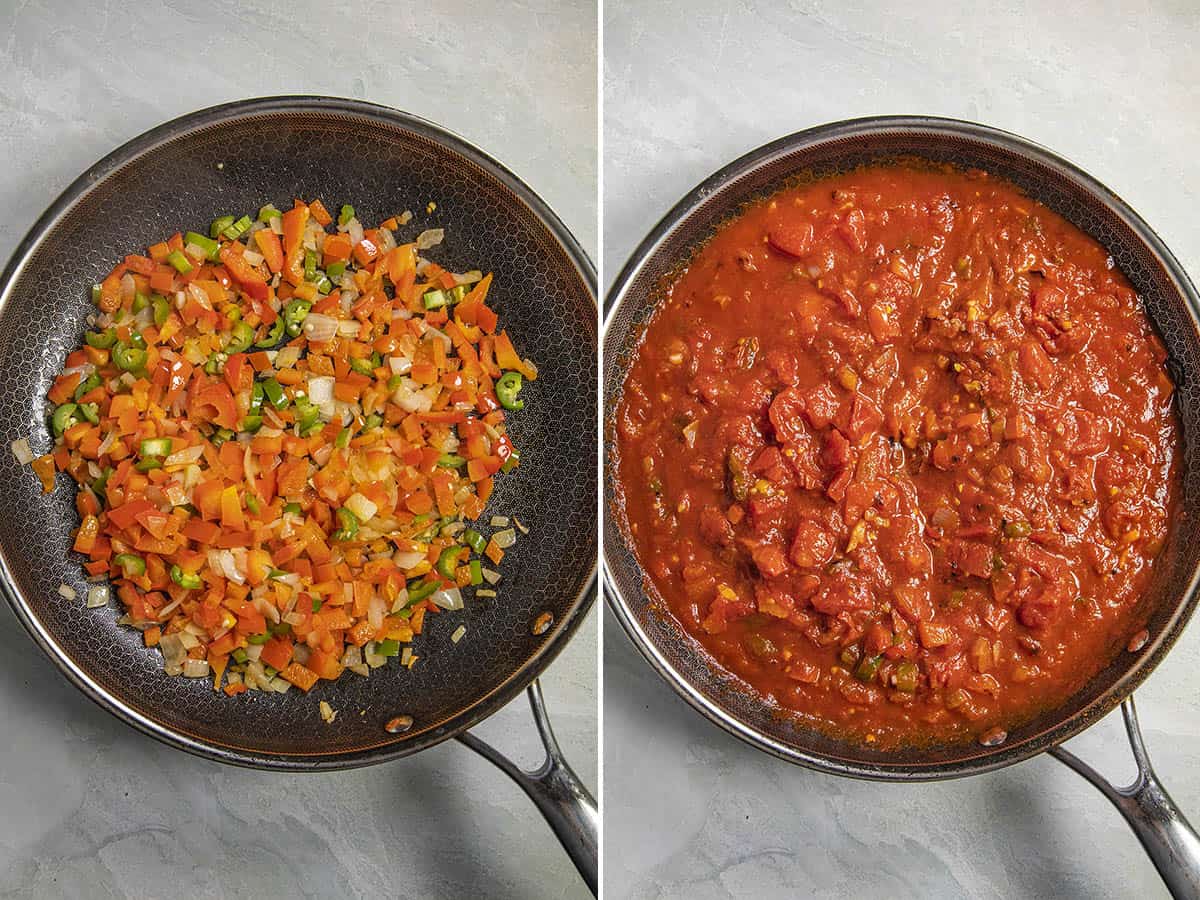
pixel 691 812
pixel 88 807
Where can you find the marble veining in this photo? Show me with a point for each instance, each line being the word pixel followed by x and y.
pixel 88 807
pixel 693 813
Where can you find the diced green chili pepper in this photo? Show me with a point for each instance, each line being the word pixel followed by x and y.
pixel 476 568
pixel 252 504
pixel 219 224
pixel 129 359
pixel 216 363
pixel 238 228
pixel 292 508
pixel 346 214
pixel 130 564
pixel 507 389
pixel 101 340
pixel 324 285
pixel 867 668
pixel 310 265
pixel 474 540
pixel 257 638
pixel 256 397
pixel 395 381
pixel 456 293
pixel 448 561
pixel 239 655
pixel 434 299
pixel 1017 529
pixel 308 417
pixel 91 412
pixel 251 424
pixel 343 439
pixel 272 337
pixel 88 385
pixel 63 418
pixel 349 522
pixel 317 604
pixel 186 579
pixel 100 485
pixel 451 461
pixel 273 391
pixel 336 270
pixel 150 462
pixel 268 212
pixel 234 314
pixel 137 340
pixel 514 459
pixel 276 573
pixel 362 366
pixel 374 420
pixel 97 292
pixel 280 629
pixel 294 315
pixel 241 337
pixel 179 262
pixel 906 677
pixel 162 309
pixel 388 647
pixel 421 590
pixel 140 302
pixel 208 245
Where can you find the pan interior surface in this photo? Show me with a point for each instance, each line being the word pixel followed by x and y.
pixel 234 160
pixel 1169 299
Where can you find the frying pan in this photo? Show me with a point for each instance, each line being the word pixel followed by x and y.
pixel 1172 303
pixel 236 158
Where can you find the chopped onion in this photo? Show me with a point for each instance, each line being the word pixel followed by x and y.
pixel 195 668
pixel 400 365
pixel 320 389
pixel 406 657
pixel 168 609
pixel 499 522
pixel 255 259
pixel 401 600
pixel 469 277
pixel 361 507
pixel 355 230
pixel 352 656
pixel 20 449
pixel 448 599
pixel 490 576
pixel 319 328
pixel 431 237
pixel 173 652
pixel 97 596
pixel 371 658
pixel 294 618
pixel 376 610
pixel 67 592
pixel 407 559
pixel 349 327
pixel 360 669
pixel 223 561
pixel 254 651
pixel 457 634
pixel 485 592
pixel 520 525
pixel 505 539
pixel 301 653
pixel 328 713
pixel 189 640
pixel 185 457
pixel 286 358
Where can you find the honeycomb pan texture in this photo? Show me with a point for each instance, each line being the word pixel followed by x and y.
pixel 234 159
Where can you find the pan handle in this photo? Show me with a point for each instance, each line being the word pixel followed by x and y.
pixel 1165 834
pixel 560 796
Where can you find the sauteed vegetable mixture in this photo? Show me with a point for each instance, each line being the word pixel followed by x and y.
pixel 281 429
pixel 898 450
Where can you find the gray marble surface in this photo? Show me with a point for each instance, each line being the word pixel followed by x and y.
pixel 91 809
pixel 692 813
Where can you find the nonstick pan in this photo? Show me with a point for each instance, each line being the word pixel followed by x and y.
pixel 236 158
pixel 1172 303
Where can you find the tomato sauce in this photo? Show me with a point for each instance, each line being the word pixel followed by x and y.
pixel 898 449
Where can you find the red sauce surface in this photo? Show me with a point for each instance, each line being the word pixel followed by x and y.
pixel 898 451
